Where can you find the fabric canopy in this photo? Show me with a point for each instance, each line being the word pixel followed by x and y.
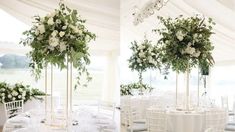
pixel 102 18
pixel 222 12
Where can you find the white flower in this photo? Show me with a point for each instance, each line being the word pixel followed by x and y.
pixel 54 33
pixel 62 46
pixel 13 98
pixel 41 29
pixel 141 47
pixel 141 54
pixel 180 35
pixel 53 41
pixel 75 29
pixel 20 89
pixel 50 21
pixel 61 34
pixel 197 54
pixel 19 96
pixel 58 21
pixel 3 94
pixel 190 50
pixel 9 96
pixel 138 60
pixel 64 27
pixel 36 32
pixel 14 93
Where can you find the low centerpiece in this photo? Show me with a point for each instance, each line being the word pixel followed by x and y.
pixel 185 44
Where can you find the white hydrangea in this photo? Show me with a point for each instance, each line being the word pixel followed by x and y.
pixel 54 41
pixel 180 35
pixel 41 29
pixel 50 21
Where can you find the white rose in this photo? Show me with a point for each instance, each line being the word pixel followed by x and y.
pixel 50 21
pixel 41 29
pixel 13 98
pixel 19 96
pixel 58 21
pixel 61 34
pixel 9 96
pixel 62 46
pixel 180 35
pixel 3 94
pixel 54 33
pixel 14 93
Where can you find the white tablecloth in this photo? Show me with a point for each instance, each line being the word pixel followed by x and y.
pixel 87 122
pixel 180 121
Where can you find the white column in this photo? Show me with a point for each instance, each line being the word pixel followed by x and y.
pixel 111 90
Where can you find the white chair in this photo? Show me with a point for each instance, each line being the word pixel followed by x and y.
pixel 106 109
pixel 105 116
pixel 131 115
pixel 157 120
pixel 216 120
pixel 13 108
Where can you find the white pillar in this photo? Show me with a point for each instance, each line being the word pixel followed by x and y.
pixel 111 89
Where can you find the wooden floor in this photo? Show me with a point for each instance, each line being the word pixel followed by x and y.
pixel 0 128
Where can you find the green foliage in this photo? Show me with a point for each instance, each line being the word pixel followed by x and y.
pixel 56 38
pixel 18 91
pixel 185 42
pixel 128 89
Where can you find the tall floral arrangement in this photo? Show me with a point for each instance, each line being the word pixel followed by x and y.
pixel 144 56
pixel 57 37
pixel 185 42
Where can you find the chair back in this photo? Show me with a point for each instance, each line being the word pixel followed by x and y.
pixel 157 120
pixel 13 108
pixel 216 119
pixel 107 109
pixel 224 102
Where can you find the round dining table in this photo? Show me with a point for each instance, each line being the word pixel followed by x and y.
pixel 84 120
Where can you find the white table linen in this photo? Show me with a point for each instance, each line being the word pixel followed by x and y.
pixel 85 117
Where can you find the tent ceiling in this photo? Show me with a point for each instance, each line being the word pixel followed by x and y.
pixel 222 11
pixel 102 17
